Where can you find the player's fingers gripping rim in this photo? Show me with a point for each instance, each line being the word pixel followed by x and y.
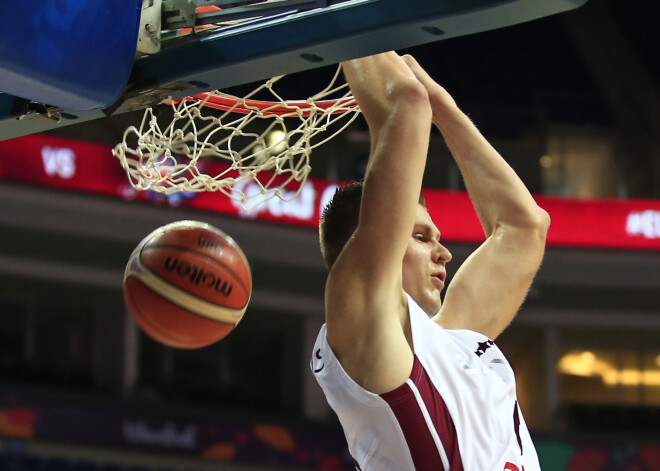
pixel 436 91
pixel 419 72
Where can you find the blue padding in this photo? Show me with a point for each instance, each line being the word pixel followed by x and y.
pixel 76 54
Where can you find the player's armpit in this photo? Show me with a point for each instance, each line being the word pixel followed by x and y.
pixel 492 283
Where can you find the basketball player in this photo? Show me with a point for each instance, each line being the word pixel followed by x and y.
pixel 417 383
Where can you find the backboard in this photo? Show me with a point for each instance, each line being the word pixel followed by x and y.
pixel 67 62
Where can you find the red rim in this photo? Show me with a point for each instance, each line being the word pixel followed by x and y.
pixel 229 103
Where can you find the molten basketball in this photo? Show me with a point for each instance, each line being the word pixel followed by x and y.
pixel 187 284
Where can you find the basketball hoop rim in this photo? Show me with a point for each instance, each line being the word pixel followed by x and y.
pixel 238 135
pixel 224 102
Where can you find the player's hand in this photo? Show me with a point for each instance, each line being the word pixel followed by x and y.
pixel 437 94
pixel 381 82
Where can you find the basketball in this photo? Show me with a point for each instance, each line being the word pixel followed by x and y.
pixel 187 284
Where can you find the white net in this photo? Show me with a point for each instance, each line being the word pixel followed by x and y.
pixel 218 142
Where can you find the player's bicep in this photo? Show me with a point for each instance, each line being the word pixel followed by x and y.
pixel 492 283
pixel 363 322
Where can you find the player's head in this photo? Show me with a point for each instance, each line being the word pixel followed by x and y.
pixel 423 263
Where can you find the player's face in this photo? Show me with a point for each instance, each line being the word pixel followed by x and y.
pixel 424 270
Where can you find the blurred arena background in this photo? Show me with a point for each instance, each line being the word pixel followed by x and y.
pixel 572 102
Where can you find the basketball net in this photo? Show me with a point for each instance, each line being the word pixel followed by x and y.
pixel 267 142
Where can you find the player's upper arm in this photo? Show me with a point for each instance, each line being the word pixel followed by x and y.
pixel 492 283
pixel 364 295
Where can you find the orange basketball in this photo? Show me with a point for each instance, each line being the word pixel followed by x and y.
pixel 187 284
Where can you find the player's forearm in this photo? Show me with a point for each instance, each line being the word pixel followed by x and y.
pixel 397 110
pixel 497 193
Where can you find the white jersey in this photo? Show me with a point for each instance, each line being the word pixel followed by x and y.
pixel 457 410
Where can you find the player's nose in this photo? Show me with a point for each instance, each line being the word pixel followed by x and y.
pixel 441 253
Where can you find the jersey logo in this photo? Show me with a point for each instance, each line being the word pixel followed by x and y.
pixel 317 354
pixel 483 346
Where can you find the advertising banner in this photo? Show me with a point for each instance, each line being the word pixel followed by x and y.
pixel 74 165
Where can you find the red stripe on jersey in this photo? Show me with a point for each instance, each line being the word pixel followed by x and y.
pixel 408 412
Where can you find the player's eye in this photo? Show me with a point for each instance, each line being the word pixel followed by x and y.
pixel 419 236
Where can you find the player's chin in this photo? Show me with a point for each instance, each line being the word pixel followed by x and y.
pixel 433 302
